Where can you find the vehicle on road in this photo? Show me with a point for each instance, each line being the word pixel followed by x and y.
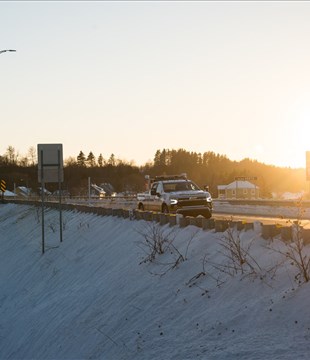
pixel 175 194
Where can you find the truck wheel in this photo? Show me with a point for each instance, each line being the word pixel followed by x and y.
pixel 165 209
pixel 208 215
pixel 141 207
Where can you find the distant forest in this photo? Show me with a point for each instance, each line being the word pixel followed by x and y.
pixel 208 168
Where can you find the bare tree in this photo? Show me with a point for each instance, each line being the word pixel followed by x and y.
pixel 70 161
pixel 32 156
pixel 238 258
pixel 11 155
pixel 24 161
pixel 297 255
pixel 158 241
pixel 295 251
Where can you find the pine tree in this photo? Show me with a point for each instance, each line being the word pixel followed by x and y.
pixel 112 160
pixel 100 160
pixel 81 159
pixel 91 160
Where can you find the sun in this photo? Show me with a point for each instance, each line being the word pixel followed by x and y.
pixel 298 127
pixel 301 145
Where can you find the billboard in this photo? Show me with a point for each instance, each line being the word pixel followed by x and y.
pixel 50 163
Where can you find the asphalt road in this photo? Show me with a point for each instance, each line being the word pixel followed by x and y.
pixel 263 219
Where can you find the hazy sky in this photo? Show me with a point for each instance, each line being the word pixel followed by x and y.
pixel 129 78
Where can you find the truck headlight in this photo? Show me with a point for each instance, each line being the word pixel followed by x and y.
pixel 173 201
pixel 209 199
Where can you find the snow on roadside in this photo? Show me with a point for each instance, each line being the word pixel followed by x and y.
pixel 93 297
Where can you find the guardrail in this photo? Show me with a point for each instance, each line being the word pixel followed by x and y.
pixel 133 199
pixel 280 208
pixel 267 231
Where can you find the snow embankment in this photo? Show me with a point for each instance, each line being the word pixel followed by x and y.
pixel 96 295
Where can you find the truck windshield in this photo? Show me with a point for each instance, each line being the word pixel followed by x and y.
pixel 180 186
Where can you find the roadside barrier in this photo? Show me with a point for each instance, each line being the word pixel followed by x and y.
pixel 163 218
pixel 286 233
pixel 221 225
pixel 305 234
pixel 268 231
pixel 184 221
pixel 172 220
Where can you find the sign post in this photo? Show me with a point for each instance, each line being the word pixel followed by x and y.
pixel 3 188
pixel 50 169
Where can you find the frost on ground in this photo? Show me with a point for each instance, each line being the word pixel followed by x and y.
pixel 99 295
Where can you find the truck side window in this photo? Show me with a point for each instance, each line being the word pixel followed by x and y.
pixel 153 189
pixel 159 188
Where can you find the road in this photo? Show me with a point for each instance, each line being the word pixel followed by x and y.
pixel 263 219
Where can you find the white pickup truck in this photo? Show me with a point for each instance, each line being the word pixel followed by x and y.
pixel 176 194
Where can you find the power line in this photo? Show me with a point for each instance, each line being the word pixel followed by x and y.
pixel 2 51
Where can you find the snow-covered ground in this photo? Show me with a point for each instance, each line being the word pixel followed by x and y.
pixel 93 297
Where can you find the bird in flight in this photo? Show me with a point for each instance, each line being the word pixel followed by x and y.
pixel 2 51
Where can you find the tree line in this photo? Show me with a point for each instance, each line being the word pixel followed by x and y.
pixel 206 168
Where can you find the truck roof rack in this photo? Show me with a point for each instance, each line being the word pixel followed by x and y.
pixel 171 177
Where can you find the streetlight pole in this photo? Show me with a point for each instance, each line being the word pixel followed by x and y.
pixel 9 50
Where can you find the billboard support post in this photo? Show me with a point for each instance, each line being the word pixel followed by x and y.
pixel 42 204
pixel 59 188
pixel 50 169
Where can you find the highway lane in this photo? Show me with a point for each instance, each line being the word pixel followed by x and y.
pixel 280 220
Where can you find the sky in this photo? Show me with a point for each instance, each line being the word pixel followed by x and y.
pixel 93 296
pixel 132 77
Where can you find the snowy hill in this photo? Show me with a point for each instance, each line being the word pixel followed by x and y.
pixel 96 295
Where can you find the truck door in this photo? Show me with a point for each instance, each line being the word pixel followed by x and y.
pixel 157 201
pixel 150 203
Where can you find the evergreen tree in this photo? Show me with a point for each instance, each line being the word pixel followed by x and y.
pixel 112 160
pixel 157 158
pixel 163 158
pixel 100 160
pixel 91 160
pixel 81 159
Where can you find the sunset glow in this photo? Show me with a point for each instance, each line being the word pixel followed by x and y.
pixel 130 78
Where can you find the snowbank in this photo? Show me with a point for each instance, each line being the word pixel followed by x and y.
pixel 94 297
pixel 7 193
